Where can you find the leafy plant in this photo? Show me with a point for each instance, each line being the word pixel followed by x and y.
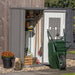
pixel 60 3
pixel 7 54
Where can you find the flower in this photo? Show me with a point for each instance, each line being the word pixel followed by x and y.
pixel 7 54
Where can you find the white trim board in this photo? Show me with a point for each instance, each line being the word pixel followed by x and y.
pixel 52 14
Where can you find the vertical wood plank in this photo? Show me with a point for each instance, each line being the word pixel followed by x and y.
pixel 3 26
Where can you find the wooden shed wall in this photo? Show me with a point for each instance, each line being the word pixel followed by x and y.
pixel 27 3
pixel 4 18
pixel 4 25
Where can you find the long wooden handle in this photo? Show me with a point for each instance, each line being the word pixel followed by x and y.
pixel 41 30
pixel 35 35
pixel 38 35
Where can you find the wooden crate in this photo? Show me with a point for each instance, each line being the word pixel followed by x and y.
pixel 28 60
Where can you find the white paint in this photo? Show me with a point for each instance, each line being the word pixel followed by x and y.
pixel 48 15
pixel 50 28
pixel 33 42
pixel 55 28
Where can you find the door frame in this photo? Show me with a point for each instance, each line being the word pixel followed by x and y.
pixel 21 52
pixel 57 10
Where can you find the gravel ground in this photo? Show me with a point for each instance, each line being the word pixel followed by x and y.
pixel 3 70
pixel 49 71
pixel 44 69
pixel 69 62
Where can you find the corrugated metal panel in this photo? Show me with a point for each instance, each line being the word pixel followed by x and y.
pixel 22 35
pixel 69 27
pixel 16 42
pixel 15 31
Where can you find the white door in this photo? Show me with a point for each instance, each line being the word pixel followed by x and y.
pixel 55 21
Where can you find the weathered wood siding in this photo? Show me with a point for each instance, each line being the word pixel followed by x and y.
pixel 4 25
pixel 27 3
pixel 37 3
pixel 4 18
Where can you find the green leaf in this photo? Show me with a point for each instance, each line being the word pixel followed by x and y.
pixel 60 3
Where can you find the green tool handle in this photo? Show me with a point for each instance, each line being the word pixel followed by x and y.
pixel 51 38
pixel 49 35
pixel 63 37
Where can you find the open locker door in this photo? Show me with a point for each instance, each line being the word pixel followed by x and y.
pixel 54 20
pixel 17 32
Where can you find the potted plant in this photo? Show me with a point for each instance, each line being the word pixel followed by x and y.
pixel 7 57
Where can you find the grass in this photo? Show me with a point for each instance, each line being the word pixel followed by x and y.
pixel 72 52
pixel 68 74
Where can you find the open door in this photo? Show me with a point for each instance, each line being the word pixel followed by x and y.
pixel 17 32
pixel 54 20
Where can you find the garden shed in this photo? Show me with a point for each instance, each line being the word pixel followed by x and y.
pixel 25 27
pixel 22 39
